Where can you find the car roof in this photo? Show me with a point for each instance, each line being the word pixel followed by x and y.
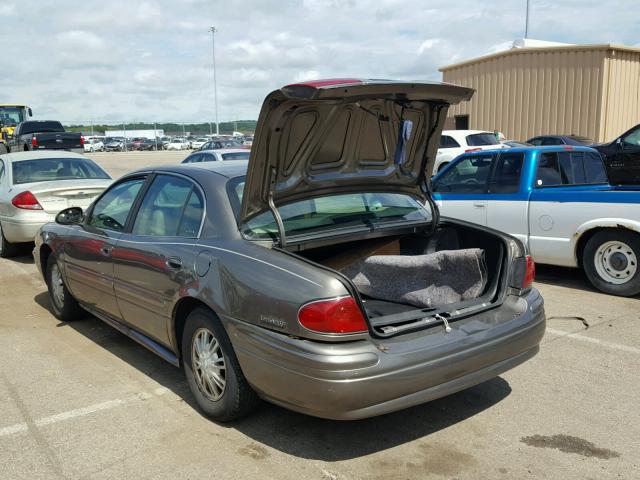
pixel 464 132
pixel 547 148
pixel 229 169
pixel 34 155
pixel 223 150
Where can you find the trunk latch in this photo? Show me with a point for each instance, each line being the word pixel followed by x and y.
pixel 444 320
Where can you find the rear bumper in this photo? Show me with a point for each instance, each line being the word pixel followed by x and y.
pixel 362 379
pixel 24 231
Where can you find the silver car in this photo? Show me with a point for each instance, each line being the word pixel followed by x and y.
pixel 218 155
pixel 35 186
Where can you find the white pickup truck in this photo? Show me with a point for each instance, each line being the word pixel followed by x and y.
pixel 555 199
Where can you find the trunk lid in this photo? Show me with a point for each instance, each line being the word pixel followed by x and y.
pixel 60 194
pixel 343 136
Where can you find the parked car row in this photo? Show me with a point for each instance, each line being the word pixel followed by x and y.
pixel 282 278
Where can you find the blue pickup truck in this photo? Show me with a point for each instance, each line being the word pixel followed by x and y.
pixel 558 201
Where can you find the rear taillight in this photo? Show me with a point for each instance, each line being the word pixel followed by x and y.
pixel 530 273
pixel 27 201
pixel 337 315
pixel 34 141
pixel 472 149
pixel 81 140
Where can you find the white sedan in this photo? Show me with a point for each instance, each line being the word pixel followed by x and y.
pixel 218 155
pixel 457 142
pixel 198 143
pixel 177 144
pixel 35 186
pixel 93 145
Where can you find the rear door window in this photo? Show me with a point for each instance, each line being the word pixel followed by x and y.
pixel 171 207
pixel 468 175
pixel 506 174
pixel 447 141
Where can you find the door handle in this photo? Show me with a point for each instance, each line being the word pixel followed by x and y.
pixel 174 263
pixel 106 250
pixel 478 204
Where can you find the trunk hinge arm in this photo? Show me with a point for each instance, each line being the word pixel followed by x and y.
pixel 275 212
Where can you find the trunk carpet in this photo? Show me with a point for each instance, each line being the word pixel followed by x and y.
pixel 431 280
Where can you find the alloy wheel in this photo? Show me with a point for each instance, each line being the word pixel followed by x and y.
pixel 57 287
pixel 208 364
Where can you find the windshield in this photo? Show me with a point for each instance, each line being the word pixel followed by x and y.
pixel 481 139
pixel 46 169
pixel 11 116
pixel 331 212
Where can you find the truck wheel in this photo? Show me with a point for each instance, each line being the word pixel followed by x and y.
pixel 7 249
pixel 212 369
pixel 610 260
pixel 63 305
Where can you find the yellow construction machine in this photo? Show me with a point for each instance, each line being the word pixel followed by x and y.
pixel 10 116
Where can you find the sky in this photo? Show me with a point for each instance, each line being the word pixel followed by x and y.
pixel 117 60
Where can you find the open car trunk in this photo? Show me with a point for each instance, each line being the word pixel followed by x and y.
pixel 407 281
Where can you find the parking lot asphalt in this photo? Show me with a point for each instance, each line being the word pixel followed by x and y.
pixel 81 400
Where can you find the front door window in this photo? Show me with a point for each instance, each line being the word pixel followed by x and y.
pixel 112 210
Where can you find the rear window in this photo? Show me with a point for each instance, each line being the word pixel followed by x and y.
pixel 481 139
pixel 47 169
pixel 236 156
pixel 570 168
pixel 331 212
pixel 41 127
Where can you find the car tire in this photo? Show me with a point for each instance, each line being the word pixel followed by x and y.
pixel 63 305
pixel 7 249
pixel 218 385
pixel 610 261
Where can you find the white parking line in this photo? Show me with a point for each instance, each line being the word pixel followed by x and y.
pixel 583 338
pixel 81 412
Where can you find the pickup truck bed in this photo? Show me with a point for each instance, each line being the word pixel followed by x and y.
pixel 44 135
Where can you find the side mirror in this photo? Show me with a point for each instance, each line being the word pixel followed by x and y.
pixel 70 216
pixel 30 112
pixel 619 142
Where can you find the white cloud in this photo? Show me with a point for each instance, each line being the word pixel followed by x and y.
pixel 427 44
pixel 307 75
pixel 124 60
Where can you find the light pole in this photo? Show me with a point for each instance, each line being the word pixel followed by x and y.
pixel 526 22
pixel 213 31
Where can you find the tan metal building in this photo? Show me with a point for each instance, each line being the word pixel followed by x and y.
pixel 587 90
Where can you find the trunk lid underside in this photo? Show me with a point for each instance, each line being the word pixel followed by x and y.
pixel 337 137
